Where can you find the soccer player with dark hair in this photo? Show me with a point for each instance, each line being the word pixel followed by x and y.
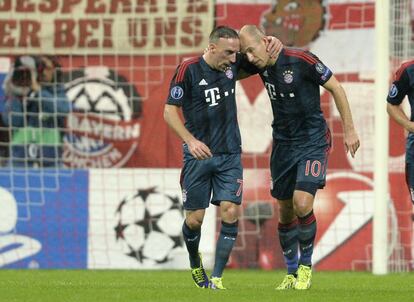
pixel 402 86
pixel 204 88
pixel 301 143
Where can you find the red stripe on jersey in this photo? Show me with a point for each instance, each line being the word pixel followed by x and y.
pixel 302 55
pixel 402 68
pixel 183 67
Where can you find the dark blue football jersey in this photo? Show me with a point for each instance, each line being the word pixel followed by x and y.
pixel 292 84
pixel 207 98
pixel 401 87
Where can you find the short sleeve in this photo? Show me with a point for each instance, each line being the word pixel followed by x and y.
pixel 317 71
pixel 179 85
pixel 399 87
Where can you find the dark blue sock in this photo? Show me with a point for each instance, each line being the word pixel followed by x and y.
pixel 192 241
pixel 288 237
pixel 225 243
pixel 306 235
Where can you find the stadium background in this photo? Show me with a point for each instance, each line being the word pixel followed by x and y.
pixel 116 202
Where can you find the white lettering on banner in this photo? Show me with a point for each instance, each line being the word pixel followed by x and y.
pixel 72 26
pixel 102 130
pixel 113 158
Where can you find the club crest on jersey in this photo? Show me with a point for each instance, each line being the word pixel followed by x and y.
pixel 177 92
pixel 229 73
pixel 393 91
pixel 288 76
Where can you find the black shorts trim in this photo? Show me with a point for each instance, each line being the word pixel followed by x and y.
pixel 309 187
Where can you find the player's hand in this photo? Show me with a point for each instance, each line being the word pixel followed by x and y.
pixel 199 150
pixel 274 47
pixel 351 142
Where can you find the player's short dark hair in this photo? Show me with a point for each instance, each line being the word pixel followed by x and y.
pixel 222 32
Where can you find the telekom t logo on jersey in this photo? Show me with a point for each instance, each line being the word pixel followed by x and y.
pixel 271 90
pixel 212 95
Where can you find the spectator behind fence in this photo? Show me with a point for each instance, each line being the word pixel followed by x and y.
pixel 35 111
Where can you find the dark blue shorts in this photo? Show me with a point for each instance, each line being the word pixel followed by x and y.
pixel 216 179
pixel 297 168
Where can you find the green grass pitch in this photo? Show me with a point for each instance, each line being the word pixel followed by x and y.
pixel 243 285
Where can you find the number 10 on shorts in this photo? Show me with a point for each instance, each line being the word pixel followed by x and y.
pixel 313 167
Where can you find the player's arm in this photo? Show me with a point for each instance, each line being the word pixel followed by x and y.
pixel 398 115
pixel 396 95
pixel 351 139
pixel 197 148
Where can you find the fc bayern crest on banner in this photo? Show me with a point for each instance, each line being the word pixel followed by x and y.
pixel 103 129
pixel 229 73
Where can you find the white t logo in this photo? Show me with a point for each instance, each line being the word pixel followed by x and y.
pixel 271 91
pixel 212 95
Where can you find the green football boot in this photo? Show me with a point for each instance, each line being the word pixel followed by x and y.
pixel 303 281
pixel 287 283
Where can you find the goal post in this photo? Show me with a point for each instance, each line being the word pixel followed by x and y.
pixel 380 228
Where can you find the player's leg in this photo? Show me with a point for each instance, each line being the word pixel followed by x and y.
pixel 192 234
pixel 227 192
pixel 311 176
pixel 196 190
pixel 303 204
pixel 283 171
pixel 288 238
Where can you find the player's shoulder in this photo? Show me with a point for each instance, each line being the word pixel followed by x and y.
pixel 408 67
pixel 299 55
pixel 184 66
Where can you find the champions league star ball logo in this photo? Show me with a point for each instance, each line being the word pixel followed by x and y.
pixel 149 226
pixel 103 129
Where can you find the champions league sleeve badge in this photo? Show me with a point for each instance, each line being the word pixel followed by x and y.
pixel 320 68
pixel 393 91
pixel 176 92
